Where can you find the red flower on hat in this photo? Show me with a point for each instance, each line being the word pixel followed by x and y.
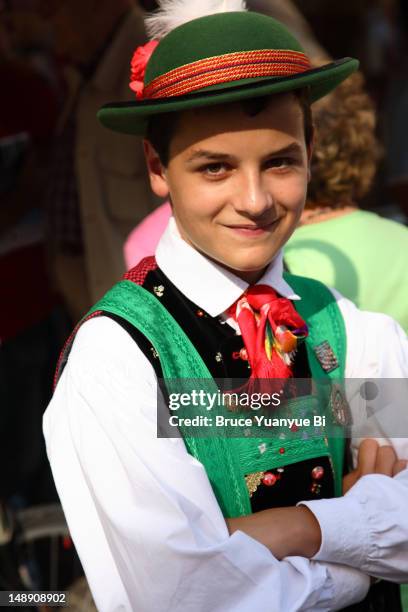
pixel 138 66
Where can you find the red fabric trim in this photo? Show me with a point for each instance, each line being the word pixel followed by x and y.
pixel 141 270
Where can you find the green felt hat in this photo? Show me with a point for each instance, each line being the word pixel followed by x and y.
pixel 219 59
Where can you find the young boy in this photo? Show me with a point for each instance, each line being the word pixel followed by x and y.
pixel 173 524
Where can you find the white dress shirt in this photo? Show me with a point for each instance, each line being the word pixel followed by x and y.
pixel 141 510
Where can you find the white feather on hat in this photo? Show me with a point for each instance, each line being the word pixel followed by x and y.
pixel 173 13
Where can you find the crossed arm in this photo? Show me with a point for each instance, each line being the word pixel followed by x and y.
pixel 295 531
pixel 140 507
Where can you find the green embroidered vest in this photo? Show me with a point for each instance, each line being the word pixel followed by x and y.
pixel 228 459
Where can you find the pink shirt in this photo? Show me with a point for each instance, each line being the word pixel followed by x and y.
pixel 143 239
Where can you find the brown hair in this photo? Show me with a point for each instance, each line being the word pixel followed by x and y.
pixel 346 150
pixel 161 128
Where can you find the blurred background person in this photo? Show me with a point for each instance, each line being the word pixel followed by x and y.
pixel 362 255
pixel 98 187
pixel 395 126
pixel 29 319
pixel 68 196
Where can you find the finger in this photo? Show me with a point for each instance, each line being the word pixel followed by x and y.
pixel 399 465
pixel 367 455
pixel 386 458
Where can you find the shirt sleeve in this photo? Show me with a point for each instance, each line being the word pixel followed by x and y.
pixel 141 510
pixel 368 527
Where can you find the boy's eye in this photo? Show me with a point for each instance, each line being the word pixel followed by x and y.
pixel 215 169
pixel 280 162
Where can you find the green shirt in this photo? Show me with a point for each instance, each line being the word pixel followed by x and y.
pixel 362 255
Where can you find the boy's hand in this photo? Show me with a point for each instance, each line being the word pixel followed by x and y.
pixel 373 459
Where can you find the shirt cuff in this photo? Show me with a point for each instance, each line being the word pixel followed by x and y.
pixel 305 585
pixel 350 586
pixel 344 529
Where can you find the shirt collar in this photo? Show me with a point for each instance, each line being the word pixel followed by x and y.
pixel 206 283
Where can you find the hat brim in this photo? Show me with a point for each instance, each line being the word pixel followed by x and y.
pixel 133 117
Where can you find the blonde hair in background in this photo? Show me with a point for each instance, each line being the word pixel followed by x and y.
pixel 346 151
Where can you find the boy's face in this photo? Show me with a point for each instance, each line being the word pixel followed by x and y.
pixel 237 183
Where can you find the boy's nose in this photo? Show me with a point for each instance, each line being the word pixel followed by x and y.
pixel 253 196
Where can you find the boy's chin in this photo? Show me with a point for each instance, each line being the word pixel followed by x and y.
pixel 251 264
pixel 247 269
pixel 245 262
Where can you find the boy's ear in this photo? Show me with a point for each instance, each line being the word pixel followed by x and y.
pixel 156 170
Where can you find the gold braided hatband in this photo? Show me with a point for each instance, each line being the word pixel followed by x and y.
pixel 226 68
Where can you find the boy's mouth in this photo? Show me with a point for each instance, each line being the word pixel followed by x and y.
pixel 252 229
